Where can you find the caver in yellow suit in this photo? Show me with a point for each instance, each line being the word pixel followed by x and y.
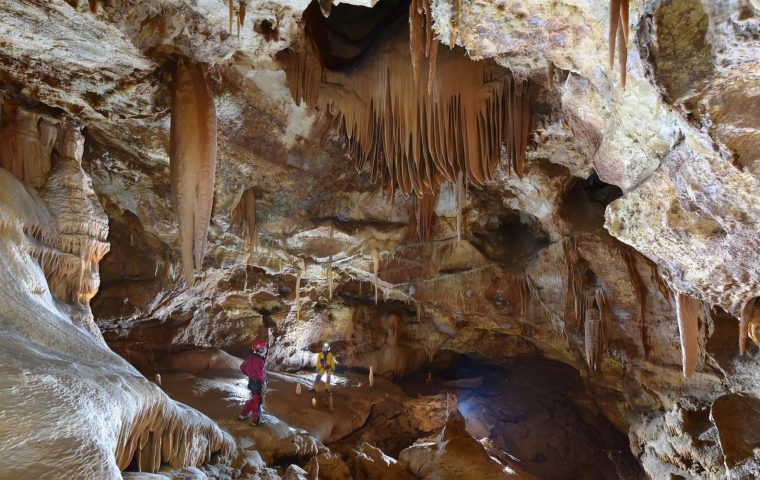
pixel 325 366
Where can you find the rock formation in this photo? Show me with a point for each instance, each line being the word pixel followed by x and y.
pixel 549 210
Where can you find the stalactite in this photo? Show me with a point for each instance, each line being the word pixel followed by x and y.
pixel 93 6
pixel 592 332
pixel 241 15
pixel 688 326
pixel 550 75
pixel 595 330
pixel 641 294
pixel 455 22
pixel 298 295
pixel 371 376
pixel 330 267
pixel 243 220
pixel 460 200
pixel 574 300
pixel 618 35
pixel 231 5
pixel 415 134
pixel 375 268
pixel 519 123
pixel 749 323
pixel 192 155
pixel 425 215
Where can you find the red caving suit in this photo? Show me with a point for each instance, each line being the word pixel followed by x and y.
pixel 253 367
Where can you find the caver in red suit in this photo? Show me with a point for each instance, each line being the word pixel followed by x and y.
pixel 253 368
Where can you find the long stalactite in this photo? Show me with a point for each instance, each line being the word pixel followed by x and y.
pixel 687 310
pixel 243 220
pixel 618 36
pixel 192 152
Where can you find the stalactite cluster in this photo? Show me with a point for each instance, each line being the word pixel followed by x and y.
pixel 243 220
pixel 687 310
pixel 618 35
pixel 192 155
pixel 415 123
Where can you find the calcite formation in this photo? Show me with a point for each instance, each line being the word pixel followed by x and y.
pixel 465 196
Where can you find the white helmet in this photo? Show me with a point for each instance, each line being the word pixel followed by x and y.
pixel 325 347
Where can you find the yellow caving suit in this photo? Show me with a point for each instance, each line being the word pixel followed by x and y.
pixel 325 365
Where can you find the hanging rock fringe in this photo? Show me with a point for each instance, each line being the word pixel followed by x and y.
pixel 192 154
pixel 243 220
pixel 618 36
pixel 160 435
pixel 412 133
pixel 688 326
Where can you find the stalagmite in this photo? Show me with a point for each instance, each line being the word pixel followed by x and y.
pixel 157 379
pixel 193 162
pixel 298 389
pixel 313 402
pixel 375 267
pixel 688 326
pixel 371 376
